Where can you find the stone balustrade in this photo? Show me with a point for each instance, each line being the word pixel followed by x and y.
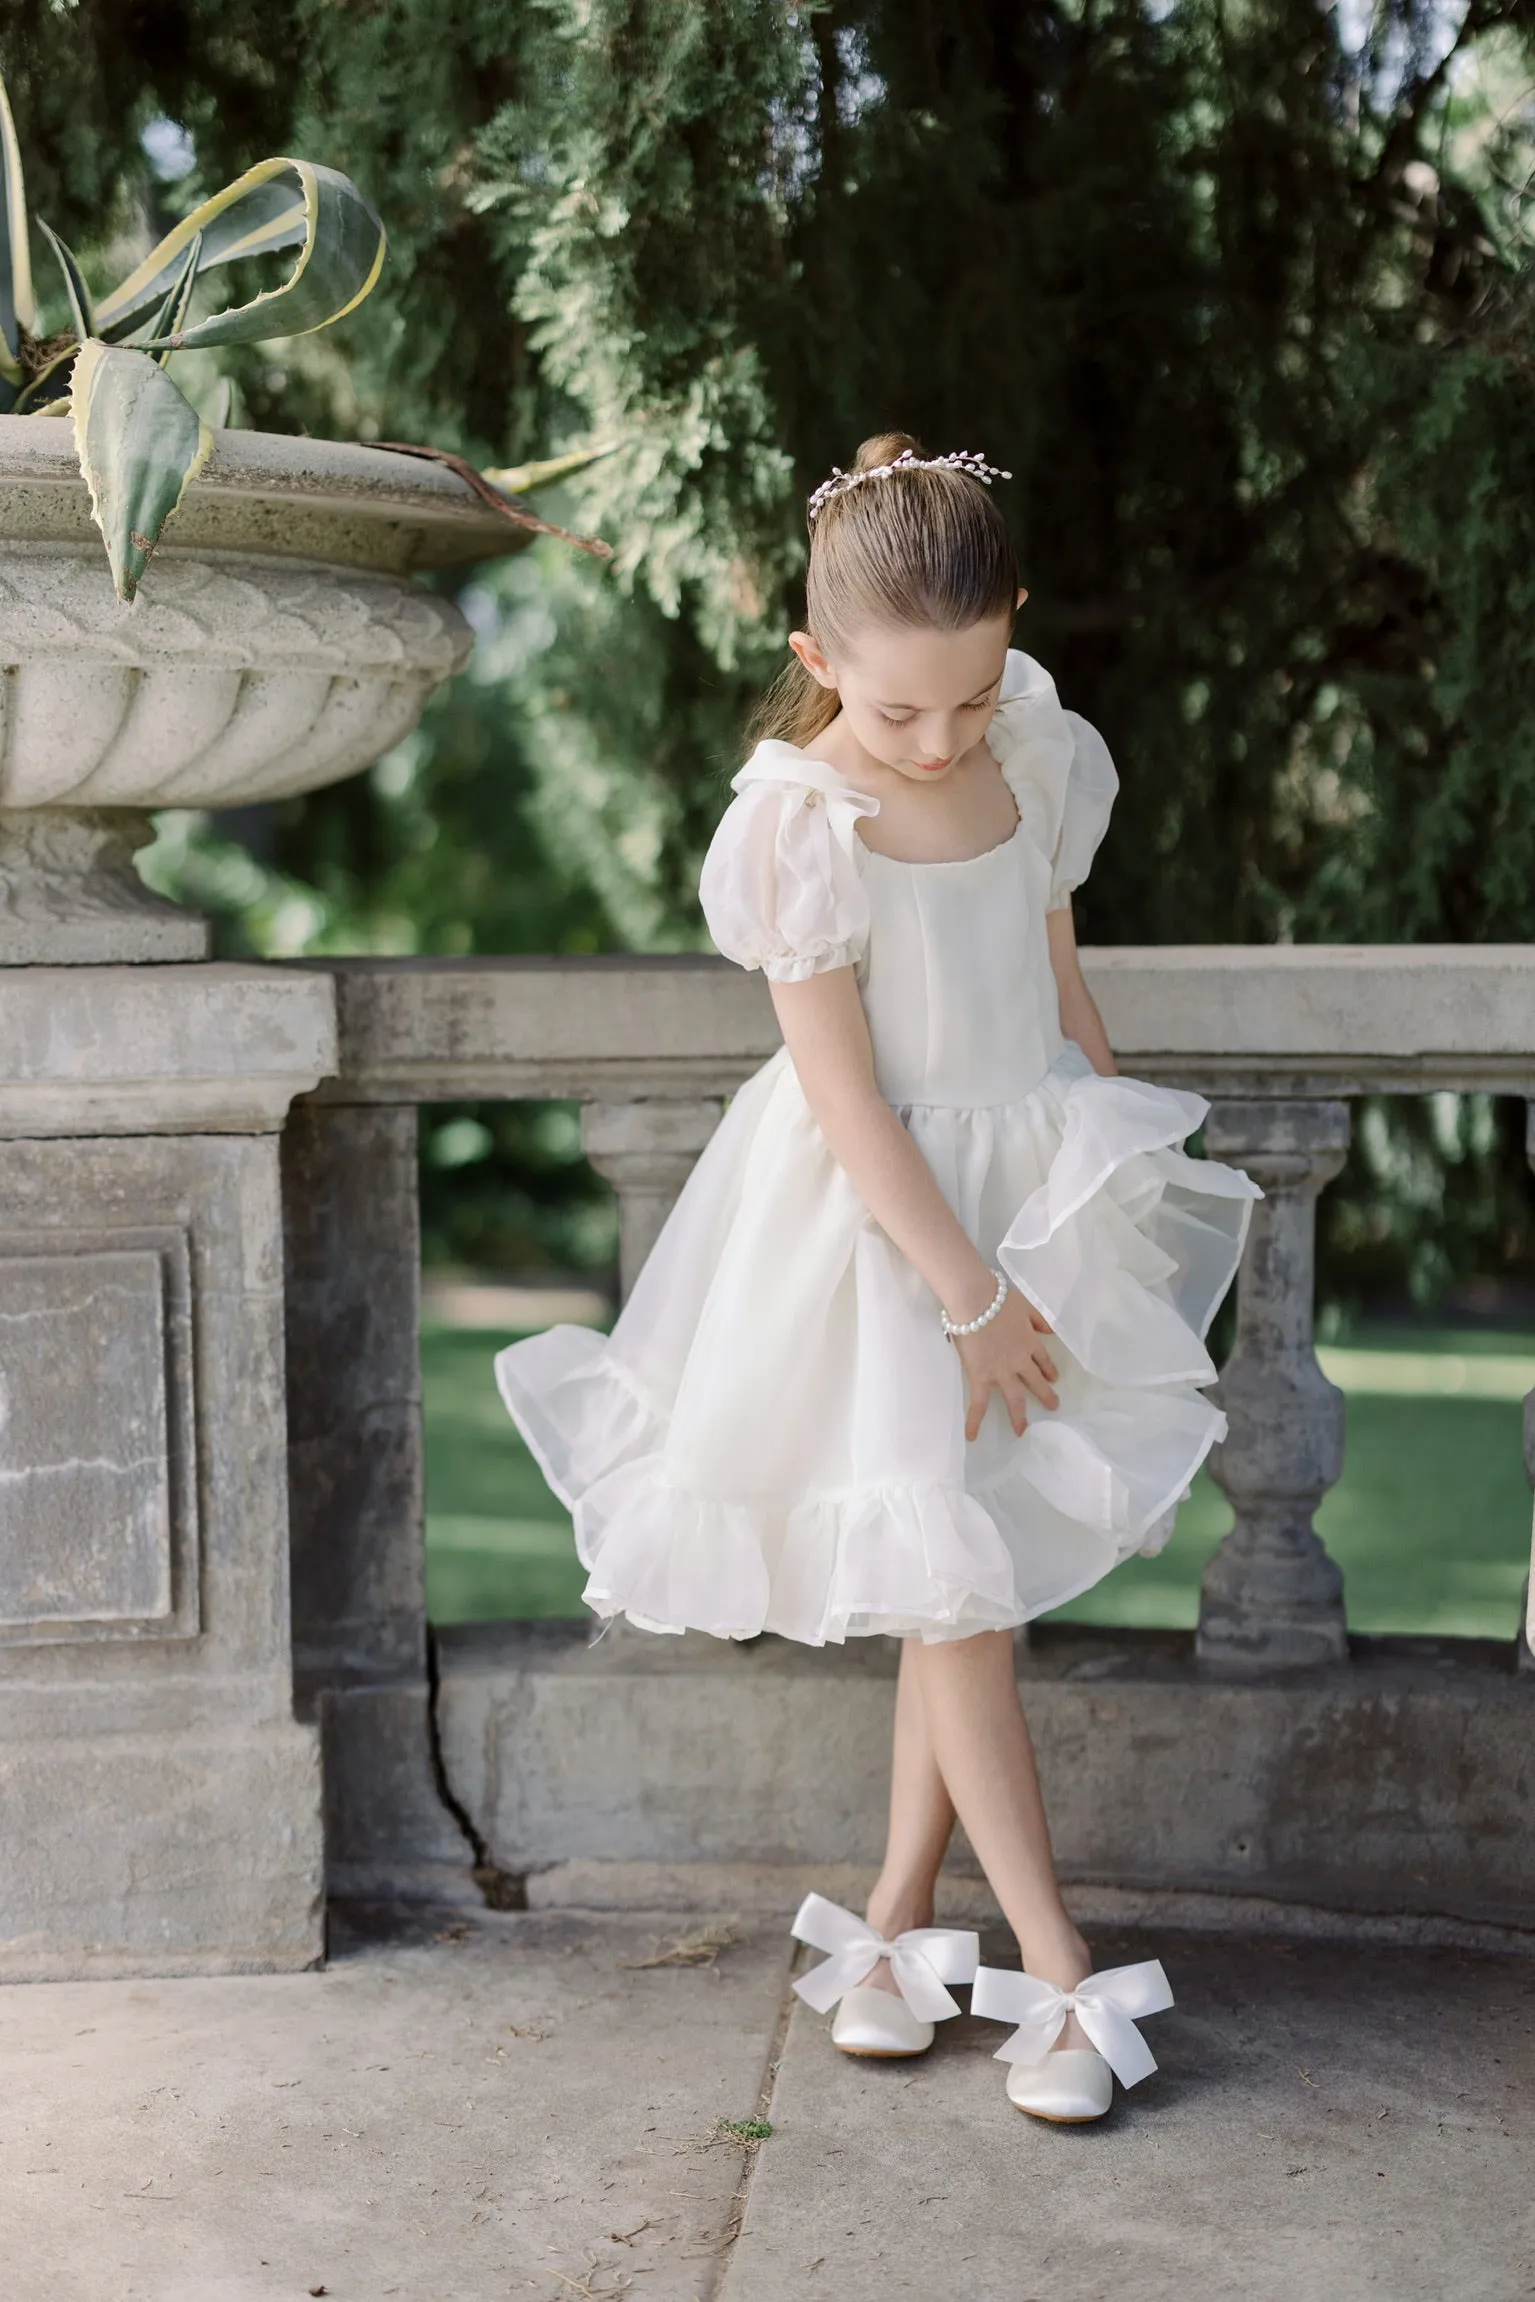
pixel 1281 1041
pixel 180 1687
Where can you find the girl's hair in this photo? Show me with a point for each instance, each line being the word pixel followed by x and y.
pixel 917 550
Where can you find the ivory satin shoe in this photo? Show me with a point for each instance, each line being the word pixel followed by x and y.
pixel 878 2023
pixel 1075 2083
pixel 1070 2086
pixel 923 1962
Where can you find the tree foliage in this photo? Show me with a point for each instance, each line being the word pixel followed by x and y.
pixel 1246 309
pixel 1240 293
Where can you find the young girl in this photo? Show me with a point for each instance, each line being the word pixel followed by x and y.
pixel 920 1348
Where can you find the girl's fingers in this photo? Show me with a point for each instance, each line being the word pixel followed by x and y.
pixel 1041 1324
pixel 1038 1385
pixel 1035 1375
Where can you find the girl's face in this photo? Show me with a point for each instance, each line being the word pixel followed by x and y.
pixel 916 700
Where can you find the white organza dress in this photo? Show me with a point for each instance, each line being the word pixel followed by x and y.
pixel 772 1438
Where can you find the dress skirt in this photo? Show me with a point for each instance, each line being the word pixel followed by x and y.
pixel 772 1437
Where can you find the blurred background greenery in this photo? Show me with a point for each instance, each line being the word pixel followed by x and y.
pixel 1242 295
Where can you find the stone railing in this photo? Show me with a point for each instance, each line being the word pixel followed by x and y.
pixel 208 1202
pixel 1281 1041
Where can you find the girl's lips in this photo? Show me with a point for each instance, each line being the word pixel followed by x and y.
pixel 931 766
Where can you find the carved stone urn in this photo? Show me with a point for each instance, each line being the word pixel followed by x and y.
pixel 278 643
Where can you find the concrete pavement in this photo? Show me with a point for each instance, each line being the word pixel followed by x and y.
pixel 1327 2125
pixel 466 2107
pixel 466 2111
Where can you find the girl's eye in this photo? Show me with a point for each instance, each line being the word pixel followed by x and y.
pixel 983 705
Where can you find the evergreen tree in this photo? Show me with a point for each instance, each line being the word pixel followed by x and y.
pixel 1240 295
pixel 1245 310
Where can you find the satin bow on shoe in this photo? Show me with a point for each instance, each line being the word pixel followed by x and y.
pixel 922 1960
pixel 1107 2005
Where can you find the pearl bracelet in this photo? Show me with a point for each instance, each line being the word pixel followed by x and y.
pixel 969 1326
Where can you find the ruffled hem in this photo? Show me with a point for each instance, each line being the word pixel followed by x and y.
pixel 923 1558
pixel 1128 1246
pixel 1125 1247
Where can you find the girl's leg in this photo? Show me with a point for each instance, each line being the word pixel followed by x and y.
pixel 921 1819
pixel 979 1741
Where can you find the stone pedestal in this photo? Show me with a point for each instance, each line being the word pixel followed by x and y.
pixel 1271 1595
pixel 70 896
pixel 161 1804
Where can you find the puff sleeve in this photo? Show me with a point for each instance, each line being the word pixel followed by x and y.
pixel 1091 785
pixel 781 887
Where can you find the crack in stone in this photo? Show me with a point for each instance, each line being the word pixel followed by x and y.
pixel 499 1889
pixel 735 2220
pixel 138 1297
pixel 15 1477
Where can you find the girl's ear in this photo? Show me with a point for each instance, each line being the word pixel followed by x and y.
pixel 1022 595
pixel 808 649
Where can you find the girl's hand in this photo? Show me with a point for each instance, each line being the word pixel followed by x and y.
pixel 1007 1355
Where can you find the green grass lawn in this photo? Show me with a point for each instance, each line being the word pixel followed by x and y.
pixel 1431 1522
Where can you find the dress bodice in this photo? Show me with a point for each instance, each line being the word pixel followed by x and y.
pixel 955 976
pixel 952 958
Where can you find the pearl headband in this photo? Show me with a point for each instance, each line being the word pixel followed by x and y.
pixel 965 460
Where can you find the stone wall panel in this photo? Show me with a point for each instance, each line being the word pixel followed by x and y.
pixel 97 1451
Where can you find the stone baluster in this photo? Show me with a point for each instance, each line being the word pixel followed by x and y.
pixel 1271 1596
pixel 356 1519
pixel 1524 1654
pixel 1526 1658
pixel 646 1151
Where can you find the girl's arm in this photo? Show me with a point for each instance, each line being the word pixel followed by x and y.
pixel 827 1035
pixel 1080 1019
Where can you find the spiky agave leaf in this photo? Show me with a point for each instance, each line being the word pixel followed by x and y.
pixel 17 308
pixel 173 311
pixel 140 441
pixel 276 204
pixel 245 219
pixel 81 310
pixel 48 390
pixel 521 479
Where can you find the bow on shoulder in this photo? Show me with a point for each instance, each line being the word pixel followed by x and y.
pixel 1107 2005
pixel 922 1960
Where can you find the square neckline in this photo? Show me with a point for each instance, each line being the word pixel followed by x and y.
pixel 942 862
pixel 924 862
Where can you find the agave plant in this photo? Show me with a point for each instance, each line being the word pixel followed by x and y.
pixel 139 439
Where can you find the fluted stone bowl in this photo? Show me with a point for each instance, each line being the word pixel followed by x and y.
pixel 278 643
